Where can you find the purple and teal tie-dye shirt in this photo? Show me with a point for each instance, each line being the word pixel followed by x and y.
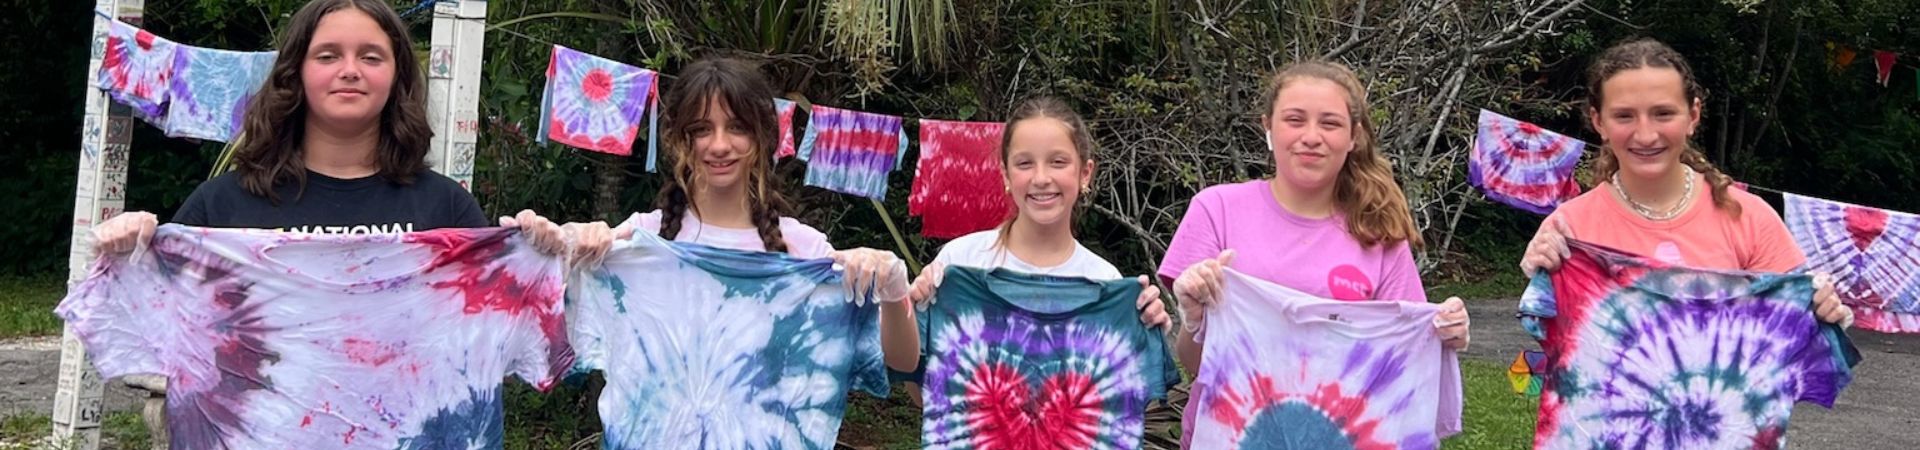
pixel 1020 361
pixel 281 340
pixel 1286 370
pixel 712 348
pixel 1641 354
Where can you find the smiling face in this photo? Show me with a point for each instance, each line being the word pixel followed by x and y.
pixel 1310 131
pixel 721 144
pixel 348 72
pixel 1045 171
pixel 1645 119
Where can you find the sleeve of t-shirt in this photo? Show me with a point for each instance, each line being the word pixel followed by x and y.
pixel 466 210
pixel 1452 396
pixel 589 302
pixel 1827 358
pixel 1537 305
pixel 1774 250
pixel 542 354
pixel 193 211
pixel 1400 276
pixel 870 372
pixel 129 318
pixel 1197 238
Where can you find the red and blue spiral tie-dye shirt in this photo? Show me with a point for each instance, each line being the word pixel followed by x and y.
pixel 1642 354
pixel 285 340
pixel 1020 361
pixel 1285 370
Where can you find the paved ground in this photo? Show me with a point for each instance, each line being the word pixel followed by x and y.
pixel 1879 410
pixel 29 369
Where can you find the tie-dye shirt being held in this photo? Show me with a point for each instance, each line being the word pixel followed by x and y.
pixel 1029 361
pixel 1641 354
pixel 274 340
pixel 729 349
pixel 1282 369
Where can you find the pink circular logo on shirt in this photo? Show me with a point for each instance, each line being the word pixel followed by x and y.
pixel 1669 252
pixel 1346 282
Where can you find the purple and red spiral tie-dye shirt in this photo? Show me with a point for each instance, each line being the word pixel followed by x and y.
pixel 1642 354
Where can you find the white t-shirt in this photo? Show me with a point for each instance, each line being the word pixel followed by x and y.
pixel 977 250
pixel 802 241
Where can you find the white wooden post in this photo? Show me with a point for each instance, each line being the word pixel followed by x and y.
pixel 105 137
pixel 453 86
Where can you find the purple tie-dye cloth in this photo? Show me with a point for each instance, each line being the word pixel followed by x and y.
pixel 1872 254
pixel 851 152
pixel 288 340
pixel 1641 354
pixel 1283 369
pixel 1522 165
pixel 136 69
pixel 594 103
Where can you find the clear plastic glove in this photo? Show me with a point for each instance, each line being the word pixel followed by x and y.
pixel 1826 302
pixel 125 232
pixel 1548 248
pixel 926 284
pixel 590 242
pixel 542 233
pixel 1153 312
pixel 872 274
pixel 1198 287
pixel 1452 324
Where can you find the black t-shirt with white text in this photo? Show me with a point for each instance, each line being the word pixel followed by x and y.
pixel 368 205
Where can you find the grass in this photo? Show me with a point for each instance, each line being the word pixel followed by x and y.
pixel 26 305
pixel 123 430
pixel 1494 417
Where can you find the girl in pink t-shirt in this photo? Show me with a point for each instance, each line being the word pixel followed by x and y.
pixel 1331 222
pixel 1659 197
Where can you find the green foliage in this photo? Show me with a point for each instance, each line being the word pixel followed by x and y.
pixel 26 304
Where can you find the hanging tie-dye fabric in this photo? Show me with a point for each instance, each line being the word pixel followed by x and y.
pixel 722 349
pixel 852 152
pixel 1641 354
pixel 1873 255
pixel 1523 166
pixel 955 185
pixel 211 89
pixel 596 104
pixel 136 69
pixel 288 340
pixel 1283 369
pixel 783 110
pixel 1029 361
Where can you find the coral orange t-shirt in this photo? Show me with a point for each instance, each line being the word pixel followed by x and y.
pixel 1703 237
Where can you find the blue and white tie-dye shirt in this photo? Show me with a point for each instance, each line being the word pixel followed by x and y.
pixel 713 348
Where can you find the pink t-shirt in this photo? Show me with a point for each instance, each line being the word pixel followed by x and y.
pixel 1314 256
pixel 1703 237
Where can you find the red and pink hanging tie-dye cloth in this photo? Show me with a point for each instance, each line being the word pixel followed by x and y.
pixel 595 104
pixel 956 188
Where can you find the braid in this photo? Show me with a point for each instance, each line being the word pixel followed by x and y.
pixel 768 223
pixel 1719 181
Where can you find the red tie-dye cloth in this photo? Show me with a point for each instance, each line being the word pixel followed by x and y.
pixel 957 186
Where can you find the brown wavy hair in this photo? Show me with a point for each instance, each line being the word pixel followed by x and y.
pixel 1035 108
pixel 269 151
pixel 745 92
pixel 1638 53
pixel 1365 192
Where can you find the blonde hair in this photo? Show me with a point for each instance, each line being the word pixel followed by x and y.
pixel 1365 192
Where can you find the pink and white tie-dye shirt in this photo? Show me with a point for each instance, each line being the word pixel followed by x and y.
pixel 283 340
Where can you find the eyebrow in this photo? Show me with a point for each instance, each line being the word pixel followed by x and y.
pixel 336 46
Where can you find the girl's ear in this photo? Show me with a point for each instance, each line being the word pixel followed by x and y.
pixel 1086 176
